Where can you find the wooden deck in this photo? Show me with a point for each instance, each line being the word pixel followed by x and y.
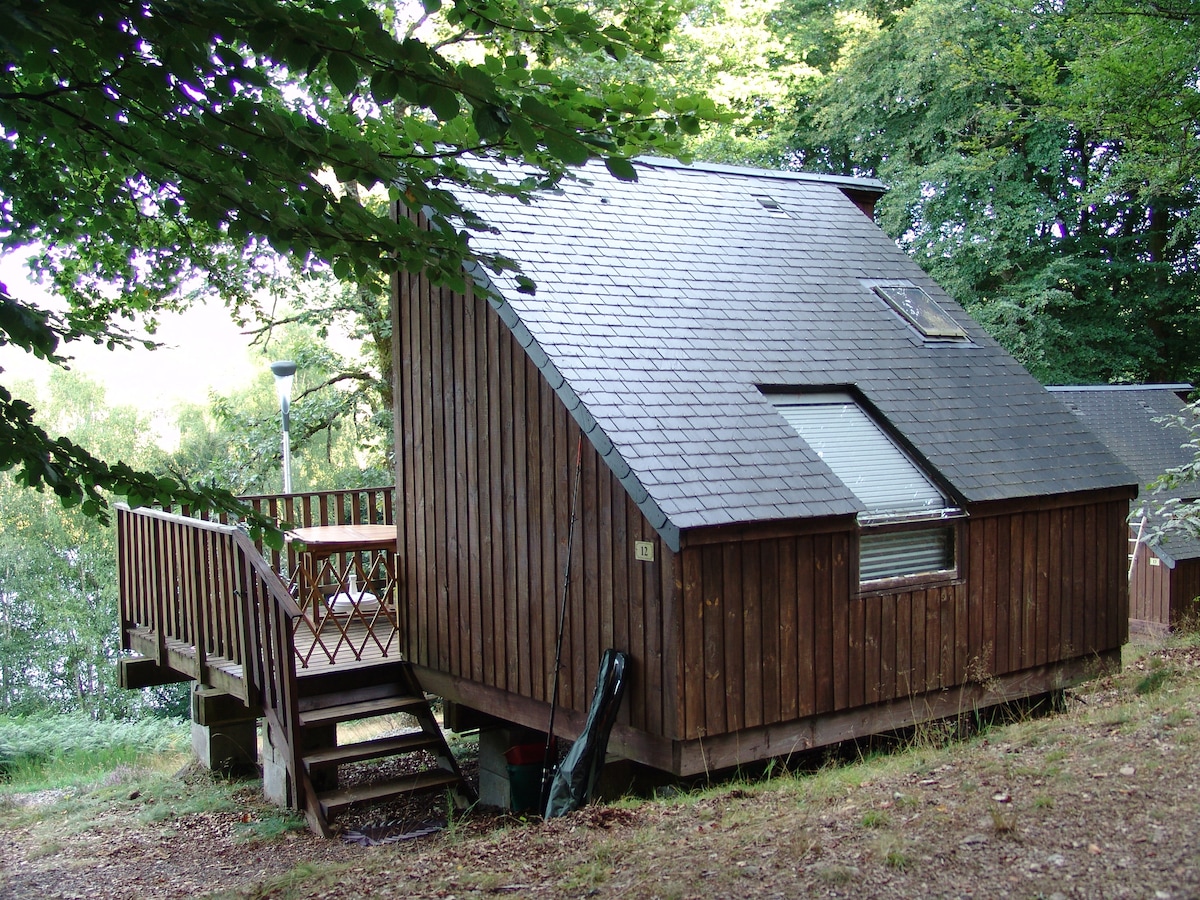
pixel 342 644
pixel 199 601
pixel 319 652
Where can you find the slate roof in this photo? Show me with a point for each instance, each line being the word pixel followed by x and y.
pixel 1123 416
pixel 664 305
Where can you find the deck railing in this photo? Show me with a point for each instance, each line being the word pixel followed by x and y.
pixel 183 578
pixel 347 506
pixel 195 591
pixel 199 598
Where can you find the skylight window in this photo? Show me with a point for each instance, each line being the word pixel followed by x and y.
pixel 921 311
pixel 904 532
pixel 772 206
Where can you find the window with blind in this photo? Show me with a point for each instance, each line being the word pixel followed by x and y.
pixel 904 532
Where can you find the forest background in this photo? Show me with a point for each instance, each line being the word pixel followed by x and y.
pixel 1041 159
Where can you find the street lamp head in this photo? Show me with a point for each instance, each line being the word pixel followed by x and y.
pixel 283 370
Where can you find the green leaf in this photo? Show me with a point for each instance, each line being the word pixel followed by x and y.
pixel 525 136
pixel 621 168
pixel 384 85
pixel 569 149
pixel 442 101
pixel 491 122
pixel 343 72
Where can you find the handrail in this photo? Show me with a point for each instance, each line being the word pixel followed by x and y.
pixel 203 590
pixel 273 675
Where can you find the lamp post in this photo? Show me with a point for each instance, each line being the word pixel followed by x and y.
pixel 284 370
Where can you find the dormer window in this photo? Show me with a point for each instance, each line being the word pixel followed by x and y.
pixel 905 531
pixel 920 311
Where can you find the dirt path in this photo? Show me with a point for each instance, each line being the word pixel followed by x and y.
pixel 1100 802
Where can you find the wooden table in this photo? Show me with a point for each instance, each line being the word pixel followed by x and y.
pixel 345 582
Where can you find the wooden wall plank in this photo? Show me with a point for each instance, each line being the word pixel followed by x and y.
pixel 973 559
pixel 1115 619
pixel 659 580
pixel 1029 640
pixel 1041 604
pixel 857 654
pixel 471 568
pixel 840 594
pixel 948 673
pixel 693 643
pixel 933 640
pixel 795 627
pixel 1090 561
pixel 711 559
pixel 493 535
pixel 918 642
pixel 440 524
pixel 576 619
pixel 632 622
pixel 823 619
pixel 553 464
pixel 427 607
pixel 1008 594
pixel 1081 598
pixel 663 581
pixel 519 634
pixel 772 625
pixel 733 636
pixel 903 645
pixel 1054 594
pixel 458 526
pixel 887 638
pixel 871 637
pixel 753 663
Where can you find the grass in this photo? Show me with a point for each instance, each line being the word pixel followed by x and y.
pixel 57 752
pixel 838 822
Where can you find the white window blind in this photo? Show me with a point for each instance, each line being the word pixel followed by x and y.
pixel 893 553
pixel 890 485
pixel 865 459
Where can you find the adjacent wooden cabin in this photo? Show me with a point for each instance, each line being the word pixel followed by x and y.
pixel 1164 578
pixel 816 500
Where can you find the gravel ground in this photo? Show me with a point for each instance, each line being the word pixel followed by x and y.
pixel 1101 801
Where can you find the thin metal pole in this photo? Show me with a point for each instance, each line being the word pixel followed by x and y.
pixel 547 768
pixel 285 405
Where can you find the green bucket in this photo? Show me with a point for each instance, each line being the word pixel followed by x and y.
pixel 525 787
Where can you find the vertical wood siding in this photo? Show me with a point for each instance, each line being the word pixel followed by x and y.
pixel 1185 589
pixel 1038 587
pixel 485 470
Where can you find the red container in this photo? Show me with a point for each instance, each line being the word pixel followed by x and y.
pixel 525 754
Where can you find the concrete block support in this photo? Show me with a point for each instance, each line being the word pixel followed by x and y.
pixel 224 732
pixel 277 787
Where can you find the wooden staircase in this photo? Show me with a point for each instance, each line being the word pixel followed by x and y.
pixel 329 698
pixel 199 602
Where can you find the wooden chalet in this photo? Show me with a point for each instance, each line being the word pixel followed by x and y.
pixel 1164 577
pixel 816 501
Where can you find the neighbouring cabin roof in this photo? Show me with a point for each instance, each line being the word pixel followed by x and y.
pixel 1126 418
pixel 664 308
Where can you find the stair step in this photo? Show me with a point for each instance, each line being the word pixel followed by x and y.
pixel 345 712
pixel 333 802
pixel 373 749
